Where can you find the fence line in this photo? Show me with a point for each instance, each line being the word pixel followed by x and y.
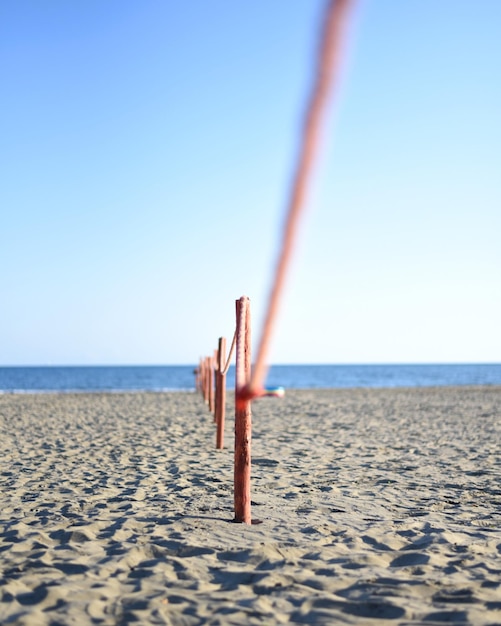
pixel 211 382
pixel 250 385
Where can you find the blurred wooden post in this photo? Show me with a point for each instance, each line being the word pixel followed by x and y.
pixel 202 377
pixel 210 376
pixel 214 382
pixel 206 380
pixel 243 422
pixel 220 393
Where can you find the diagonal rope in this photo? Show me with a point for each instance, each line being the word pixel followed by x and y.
pixel 230 354
pixel 327 66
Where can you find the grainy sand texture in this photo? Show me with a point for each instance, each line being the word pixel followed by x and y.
pixel 378 506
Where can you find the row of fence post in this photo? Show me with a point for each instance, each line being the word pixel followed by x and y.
pixel 211 383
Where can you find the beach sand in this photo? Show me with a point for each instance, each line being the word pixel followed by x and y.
pixel 378 506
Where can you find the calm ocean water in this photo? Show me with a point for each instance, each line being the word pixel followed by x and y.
pixel 179 378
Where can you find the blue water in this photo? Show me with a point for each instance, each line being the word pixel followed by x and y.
pixel 178 378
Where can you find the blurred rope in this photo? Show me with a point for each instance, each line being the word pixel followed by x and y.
pixel 334 26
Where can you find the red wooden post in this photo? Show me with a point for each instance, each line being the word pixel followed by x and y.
pixel 220 393
pixel 214 382
pixel 243 421
pixel 206 380
pixel 210 377
pixel 216 385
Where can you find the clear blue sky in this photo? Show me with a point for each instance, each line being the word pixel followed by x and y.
pixel 145 156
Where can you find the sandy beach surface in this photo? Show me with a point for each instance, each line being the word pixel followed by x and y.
pixel 378 506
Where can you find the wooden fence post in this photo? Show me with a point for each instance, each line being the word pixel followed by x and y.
pixel 214 382
pixel 206 379
pixel 243 417
pixel 220 393
pixel 202 377
pixel 205 388
pixel 210 375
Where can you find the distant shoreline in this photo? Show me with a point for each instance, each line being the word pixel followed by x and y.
pixel 135 392
pixel 172 378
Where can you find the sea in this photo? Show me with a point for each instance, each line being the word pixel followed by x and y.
pixel 159 378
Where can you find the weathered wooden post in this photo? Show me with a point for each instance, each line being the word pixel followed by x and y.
pixel 204 379
pixel 216 385
pixel 214 381
pixel 243 417
pixel 220 393
pixel 210 376
pixel 207 380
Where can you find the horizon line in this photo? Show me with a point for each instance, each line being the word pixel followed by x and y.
pixel 283 364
